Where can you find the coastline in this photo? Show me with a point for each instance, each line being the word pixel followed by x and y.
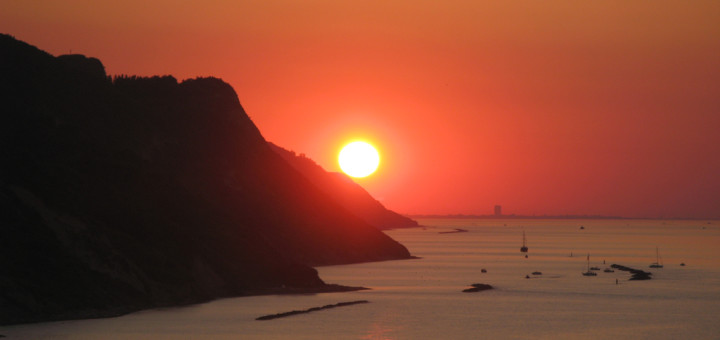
pixel 125 310
pixel 552 217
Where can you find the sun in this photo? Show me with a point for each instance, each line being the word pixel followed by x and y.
pixel 358 159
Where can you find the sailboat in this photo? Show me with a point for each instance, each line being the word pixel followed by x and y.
pixel 657 263
pixel 588 272
pixel 524 248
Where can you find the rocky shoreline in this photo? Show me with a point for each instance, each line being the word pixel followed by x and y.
pixel 310 310
pixel 124 310
pixel 457 230
pixel 327 288
pixel 637 274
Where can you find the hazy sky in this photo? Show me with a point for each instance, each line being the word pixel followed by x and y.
pixel 544 107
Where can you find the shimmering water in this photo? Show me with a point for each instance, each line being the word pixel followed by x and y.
pixel 422 299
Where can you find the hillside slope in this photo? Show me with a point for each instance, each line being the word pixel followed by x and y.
pixel 346 192
pixel 129 193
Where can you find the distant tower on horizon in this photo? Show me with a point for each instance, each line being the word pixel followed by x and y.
pixel 498 210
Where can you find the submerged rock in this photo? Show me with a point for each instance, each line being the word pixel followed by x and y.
pixel 477 287
pixel 457 230
pixel 309 310
pixel 637 274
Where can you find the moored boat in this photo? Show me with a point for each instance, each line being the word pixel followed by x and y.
pixel 524 247
pixel 657 263
pixel 589 272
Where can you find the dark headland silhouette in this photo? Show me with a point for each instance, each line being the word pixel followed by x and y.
pixel 349 194
pixel 130 193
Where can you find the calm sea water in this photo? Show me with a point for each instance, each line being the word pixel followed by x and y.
pixel 422 298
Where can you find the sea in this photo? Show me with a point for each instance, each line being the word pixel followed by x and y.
pixel 423 298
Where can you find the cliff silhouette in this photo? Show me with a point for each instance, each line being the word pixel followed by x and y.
pixel 346 192
pixel 124 193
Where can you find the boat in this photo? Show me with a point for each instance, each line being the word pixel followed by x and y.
pixel 608 270
pixel 594 268
pixel 524 248
pixel 657 263
pixel 537 273
pixel 588 272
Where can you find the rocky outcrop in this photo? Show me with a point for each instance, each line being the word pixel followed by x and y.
pixel 478 287
pixel 88 68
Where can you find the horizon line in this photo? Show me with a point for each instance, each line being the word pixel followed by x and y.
pixel 567 216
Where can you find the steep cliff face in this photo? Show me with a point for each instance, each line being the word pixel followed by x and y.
pixel 128 193
pixel 346 192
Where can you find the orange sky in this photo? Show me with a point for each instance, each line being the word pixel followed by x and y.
pixel 544 107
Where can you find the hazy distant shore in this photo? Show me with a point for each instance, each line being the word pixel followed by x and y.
pixel 553 217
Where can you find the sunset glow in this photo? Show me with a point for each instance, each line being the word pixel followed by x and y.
pixel 447 169
pixel 358 159
pixel 565 107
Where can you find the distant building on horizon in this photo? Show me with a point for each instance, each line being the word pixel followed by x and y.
pixel 498 210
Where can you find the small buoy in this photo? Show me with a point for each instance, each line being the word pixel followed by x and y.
pixel 525 256
pixel 483 270
pixel 682 264
pixel 527 276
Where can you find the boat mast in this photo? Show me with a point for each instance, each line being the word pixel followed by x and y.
pixel 588 261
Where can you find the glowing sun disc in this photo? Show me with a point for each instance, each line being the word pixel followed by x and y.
pixel 358 159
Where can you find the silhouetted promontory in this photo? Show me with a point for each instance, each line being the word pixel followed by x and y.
pixel 124 193
pixel 346 192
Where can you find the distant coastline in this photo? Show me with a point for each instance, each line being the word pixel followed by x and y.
pixel 551 217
